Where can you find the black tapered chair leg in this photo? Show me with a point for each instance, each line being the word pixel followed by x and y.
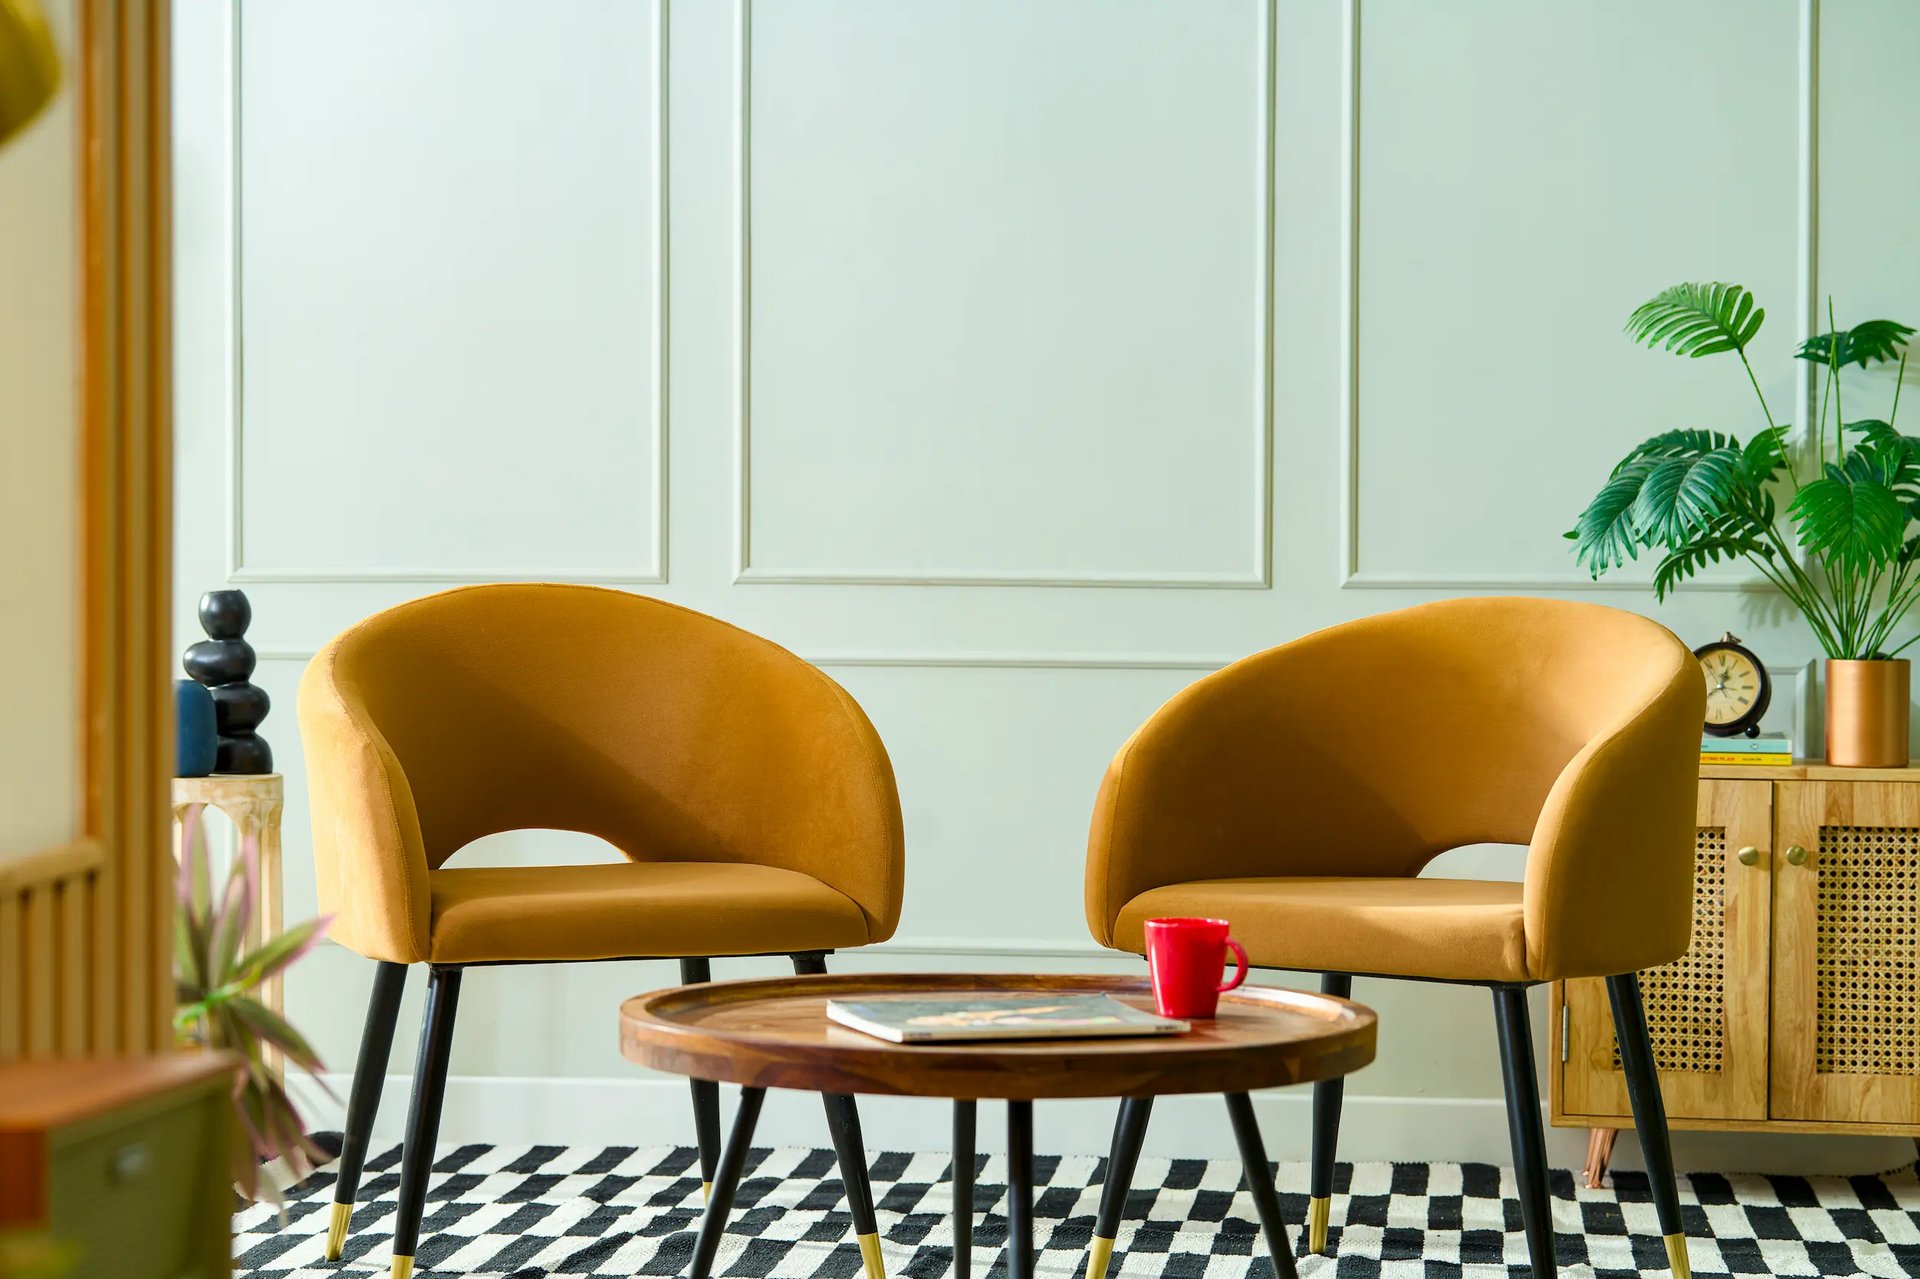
pixel 1259 1176
pixel 706 1092
pixel 1524 1128
pixel 363 1103
pixel 1649 1114
pixel 1327 1096
pixel 1129 1130
pixel 843 1122
pixel 965 1119
pixel 423 1115
pixel 726 1182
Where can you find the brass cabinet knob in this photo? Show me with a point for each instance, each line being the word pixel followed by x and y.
pixel 1749 856
pixel 1797 855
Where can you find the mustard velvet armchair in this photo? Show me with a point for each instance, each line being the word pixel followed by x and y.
pixel 1299 793
pixel 752 799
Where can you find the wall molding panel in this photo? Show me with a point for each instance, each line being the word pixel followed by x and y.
pixel 649 569
pixel 1351 574
pixel 747 571
pixel 1036 661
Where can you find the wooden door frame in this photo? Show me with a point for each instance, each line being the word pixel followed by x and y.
pixel 126 130
pixel 91 919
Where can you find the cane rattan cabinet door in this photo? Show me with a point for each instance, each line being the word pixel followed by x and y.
pixel 1707 1010
pixel 1846 963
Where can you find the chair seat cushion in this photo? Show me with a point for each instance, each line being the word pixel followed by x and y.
pixel 665 909
pixel 1451 929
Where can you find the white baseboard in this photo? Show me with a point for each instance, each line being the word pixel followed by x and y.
pixel 656 1111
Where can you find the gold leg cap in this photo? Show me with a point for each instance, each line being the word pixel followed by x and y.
pixel 1099 1253
pixel 1677 1257
pixel 706 1191
pixel 402 1267
pixel 870 1255
pixel 1318 1211
pixel 337 1230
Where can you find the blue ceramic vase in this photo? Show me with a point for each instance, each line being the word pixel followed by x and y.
pixel 195 742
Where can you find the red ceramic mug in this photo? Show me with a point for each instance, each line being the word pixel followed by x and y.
pixel 1185 957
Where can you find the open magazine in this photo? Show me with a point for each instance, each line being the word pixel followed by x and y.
pixel 1019 1014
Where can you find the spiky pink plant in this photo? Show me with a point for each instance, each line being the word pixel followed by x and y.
pixel 216 979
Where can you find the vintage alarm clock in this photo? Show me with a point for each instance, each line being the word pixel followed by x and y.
pixel 1738 689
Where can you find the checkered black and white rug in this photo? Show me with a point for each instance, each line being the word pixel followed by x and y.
pixel 524 1212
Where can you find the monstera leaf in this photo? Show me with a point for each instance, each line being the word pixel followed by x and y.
pixel 1697 319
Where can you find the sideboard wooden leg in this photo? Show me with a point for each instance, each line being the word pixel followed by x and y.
pixel 1599 1155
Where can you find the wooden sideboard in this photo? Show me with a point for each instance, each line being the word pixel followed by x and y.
pixel 1797 1006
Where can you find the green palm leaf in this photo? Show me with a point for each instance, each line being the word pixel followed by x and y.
pixel 1685 442
pixel 1697 319
pixel 1606 535
pixel 1682 495
pixel 1764 455
pixel 1687 560
pixel 1861 344
pixel 1857 523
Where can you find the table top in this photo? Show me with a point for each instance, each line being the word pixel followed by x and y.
pixel 775 1033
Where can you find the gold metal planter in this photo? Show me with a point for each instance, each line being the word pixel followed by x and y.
pixel 1867 713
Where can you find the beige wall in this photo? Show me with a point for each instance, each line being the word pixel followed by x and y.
pixel 40 591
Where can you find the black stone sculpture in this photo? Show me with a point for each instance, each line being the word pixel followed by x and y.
pixel 223 662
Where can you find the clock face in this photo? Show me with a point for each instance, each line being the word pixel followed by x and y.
pixel 1733 682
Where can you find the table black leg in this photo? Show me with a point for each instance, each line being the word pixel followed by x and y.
pixel 726 1182
pixel 1019 1190
pixel 843 1122
pixel 964 1114
pixel 1259 1175
pixel 1129 1130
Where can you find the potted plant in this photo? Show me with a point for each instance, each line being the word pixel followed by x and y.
pixel 1827 518
pixel 217 981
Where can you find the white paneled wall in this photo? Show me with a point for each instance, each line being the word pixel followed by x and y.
pixel 1018 362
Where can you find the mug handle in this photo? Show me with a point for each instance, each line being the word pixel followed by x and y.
pixel 1240 958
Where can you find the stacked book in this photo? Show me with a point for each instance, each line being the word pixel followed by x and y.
pixel 1775 749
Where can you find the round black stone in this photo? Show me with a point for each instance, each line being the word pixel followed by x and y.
pixel 239 708
pixel 225 614
pixel 246 754
pixel 219 661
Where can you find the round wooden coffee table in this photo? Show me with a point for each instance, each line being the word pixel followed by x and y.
pixel 775 1034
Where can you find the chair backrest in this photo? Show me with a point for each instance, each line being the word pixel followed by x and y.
pixel 669 734
pixel 1371 747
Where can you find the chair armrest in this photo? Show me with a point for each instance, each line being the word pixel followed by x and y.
pixel 1609 882
pixel 850 835
pixel 369 858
